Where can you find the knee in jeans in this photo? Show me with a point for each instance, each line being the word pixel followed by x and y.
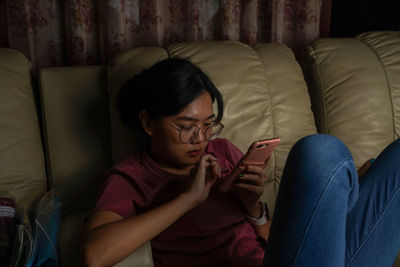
pixel 321 144
pixel 319 155
pixel 390 156
pixel 396 144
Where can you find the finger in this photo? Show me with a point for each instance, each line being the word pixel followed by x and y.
pixel 254 169
pixel 230 178
pixel 210 180
pixel 202 165
pixel 218 170
pixel 208 157
pixel 265 163
pixel 251 188
pixel 224 171
pixel 265 177
pixel 215 169
pixel 252 178
pixel 236 171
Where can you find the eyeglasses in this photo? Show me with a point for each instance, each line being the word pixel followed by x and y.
pixel 188 134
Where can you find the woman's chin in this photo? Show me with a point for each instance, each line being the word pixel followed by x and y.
pixel 191 162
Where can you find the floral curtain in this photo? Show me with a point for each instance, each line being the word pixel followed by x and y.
pixel 84 32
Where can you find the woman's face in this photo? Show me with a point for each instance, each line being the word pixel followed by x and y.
pixel 165 145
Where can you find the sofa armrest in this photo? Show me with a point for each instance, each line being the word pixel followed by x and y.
pixel 22 168
pixel 141 257
pixel 69 241
pixel 354 85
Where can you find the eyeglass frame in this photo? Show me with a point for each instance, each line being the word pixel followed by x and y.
pixel 196 134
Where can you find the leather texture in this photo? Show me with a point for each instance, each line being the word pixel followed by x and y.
pixel 291 106
pixel 22 170
pixel 119 70
pixel 77 142
pixel 355 89
pixel 76 126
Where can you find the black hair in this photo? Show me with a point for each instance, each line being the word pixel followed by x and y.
pixel 164 89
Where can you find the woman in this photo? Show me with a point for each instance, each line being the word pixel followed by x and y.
pixel 186 193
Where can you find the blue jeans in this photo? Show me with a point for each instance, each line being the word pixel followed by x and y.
pixel 325 217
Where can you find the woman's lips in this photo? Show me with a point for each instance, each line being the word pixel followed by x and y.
pixel 194 153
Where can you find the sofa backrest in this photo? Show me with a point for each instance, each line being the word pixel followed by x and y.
pixel 355 88
pixel 22 167
pixel 76 129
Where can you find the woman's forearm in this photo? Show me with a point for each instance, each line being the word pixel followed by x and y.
pixel 256 212
pixel 109 243
pixel 263 230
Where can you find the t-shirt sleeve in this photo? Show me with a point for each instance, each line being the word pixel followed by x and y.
pixel 118 195
pixel 234 152
pixel 227 153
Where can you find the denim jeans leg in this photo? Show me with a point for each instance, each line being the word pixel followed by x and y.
pixel 373 225
pixel 318 187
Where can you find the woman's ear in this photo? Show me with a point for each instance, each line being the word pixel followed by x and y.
pixel 146 122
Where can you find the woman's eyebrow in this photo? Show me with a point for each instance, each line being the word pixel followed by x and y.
pixel 188 118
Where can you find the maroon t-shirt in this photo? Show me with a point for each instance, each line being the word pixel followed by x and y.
pixel 215 232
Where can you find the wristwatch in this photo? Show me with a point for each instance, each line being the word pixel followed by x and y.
pixel 264 216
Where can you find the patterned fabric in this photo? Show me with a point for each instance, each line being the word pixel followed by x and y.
pixel 84 32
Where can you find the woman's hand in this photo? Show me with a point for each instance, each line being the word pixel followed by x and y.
pixel 248 180
pixel 204 174
pixel 250 186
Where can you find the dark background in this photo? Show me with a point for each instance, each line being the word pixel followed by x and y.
pixel 351 17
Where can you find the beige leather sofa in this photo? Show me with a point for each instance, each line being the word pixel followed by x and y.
pixel 353 92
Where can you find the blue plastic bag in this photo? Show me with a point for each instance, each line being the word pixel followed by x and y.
pixel 45 232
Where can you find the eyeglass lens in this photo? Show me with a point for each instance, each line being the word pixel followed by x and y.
pixel 210 133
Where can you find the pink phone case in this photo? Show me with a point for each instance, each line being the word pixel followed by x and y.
pixel 260 151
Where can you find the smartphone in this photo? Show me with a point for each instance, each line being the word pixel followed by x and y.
pixel 260 151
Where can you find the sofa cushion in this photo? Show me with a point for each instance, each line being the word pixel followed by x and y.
pixel 355 89
pixel 22 169
pixel 76 126
pixel 291 105
pixel 120 69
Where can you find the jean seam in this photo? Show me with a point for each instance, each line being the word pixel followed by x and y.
pixel 340 165
pixel 376 224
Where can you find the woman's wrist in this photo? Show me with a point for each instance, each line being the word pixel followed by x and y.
pixel 187 201
pixel 256 211
pixel 263 218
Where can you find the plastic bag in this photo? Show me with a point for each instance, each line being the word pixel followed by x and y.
pixel 45 231
pixel 23 246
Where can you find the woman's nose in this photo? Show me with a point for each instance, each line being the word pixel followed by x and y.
pixel 199 137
